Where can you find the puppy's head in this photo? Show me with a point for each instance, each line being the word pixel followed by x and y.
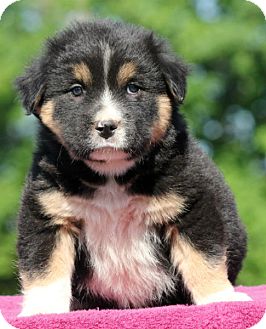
pixel 106 90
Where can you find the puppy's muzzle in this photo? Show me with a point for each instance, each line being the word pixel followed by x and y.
pixel 107 128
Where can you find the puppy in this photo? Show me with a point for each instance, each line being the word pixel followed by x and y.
pixel 121 208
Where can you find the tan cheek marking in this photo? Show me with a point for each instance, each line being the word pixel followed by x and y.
pixel 56 205
pixel 201 277
pixel 125 73
pixel 46 115
pixel 82 73
pixel 61 263
pixel 164 116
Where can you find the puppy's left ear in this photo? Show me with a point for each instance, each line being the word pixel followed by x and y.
pixel 175 73
pixel 173 69
pixel 31 88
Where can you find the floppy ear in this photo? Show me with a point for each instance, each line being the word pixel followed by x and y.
pixel 173 69
pixel 31 87
pixel 174 72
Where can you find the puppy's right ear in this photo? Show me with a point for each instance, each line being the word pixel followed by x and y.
pixel 31 88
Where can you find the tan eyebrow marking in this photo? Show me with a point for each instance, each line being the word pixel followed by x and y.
pixel 82 73
pixel 126 71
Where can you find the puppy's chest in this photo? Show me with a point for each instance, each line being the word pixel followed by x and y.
pixel 122 248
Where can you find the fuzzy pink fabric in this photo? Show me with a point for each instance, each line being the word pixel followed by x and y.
pixel 235 315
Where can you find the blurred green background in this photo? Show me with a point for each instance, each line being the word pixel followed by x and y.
pixel 225 43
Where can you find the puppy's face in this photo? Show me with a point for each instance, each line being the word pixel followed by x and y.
pixel 107 91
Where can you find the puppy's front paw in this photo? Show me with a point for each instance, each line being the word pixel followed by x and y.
pixel 40 309
pixel 239 297
pixel 51 298
pixel 228 295
pixel 41 304
pixel 44 304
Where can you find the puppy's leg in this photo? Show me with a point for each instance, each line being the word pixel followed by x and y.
pixel 47 289
pixel 206 279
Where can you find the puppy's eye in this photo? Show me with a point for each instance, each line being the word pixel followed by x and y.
pixel 132 89
pixel 76 90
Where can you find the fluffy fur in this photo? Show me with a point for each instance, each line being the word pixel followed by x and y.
pixel 121 208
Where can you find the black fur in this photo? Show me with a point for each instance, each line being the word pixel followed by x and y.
pixel 210 220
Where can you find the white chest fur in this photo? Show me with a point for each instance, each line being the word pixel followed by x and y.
pixel 119 234
pixel 122 255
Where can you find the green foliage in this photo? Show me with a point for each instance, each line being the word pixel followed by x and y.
pixel 224 42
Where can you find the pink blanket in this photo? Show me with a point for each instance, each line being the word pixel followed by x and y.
pixel 236 315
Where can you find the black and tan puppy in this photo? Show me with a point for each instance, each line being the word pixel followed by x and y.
pixel 121 208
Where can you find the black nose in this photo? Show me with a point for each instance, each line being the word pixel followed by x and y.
pixel 106 128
